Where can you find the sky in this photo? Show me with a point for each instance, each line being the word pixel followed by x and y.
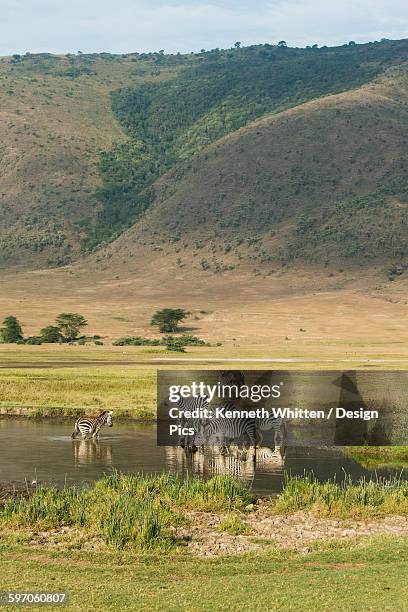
pixel 123 26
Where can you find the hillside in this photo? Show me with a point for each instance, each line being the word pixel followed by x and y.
pixel 259 155
pixel 55 119
pixel 323 182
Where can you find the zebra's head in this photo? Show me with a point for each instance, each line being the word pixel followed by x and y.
pixel 109 420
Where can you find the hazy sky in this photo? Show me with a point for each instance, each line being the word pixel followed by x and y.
pixel 189 25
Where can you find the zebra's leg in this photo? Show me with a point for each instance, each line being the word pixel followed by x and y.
pixel 259 437
pixel 252 446
pixel 280 438
pixel 76 430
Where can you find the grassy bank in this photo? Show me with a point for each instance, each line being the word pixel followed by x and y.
pixel 344 499
pixel 117 546
pixel 125 511
pixel 376 457
pixel 54 380
pixel 129 392
pixel 142 512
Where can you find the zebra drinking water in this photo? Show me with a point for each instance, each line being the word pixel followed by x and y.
pixel 276 424
pixel 191 404
pixel 222 431
pixel 89 427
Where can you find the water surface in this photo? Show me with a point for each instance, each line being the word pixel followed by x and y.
pixel 44 451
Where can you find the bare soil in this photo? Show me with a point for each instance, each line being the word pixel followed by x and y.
pixel 297 531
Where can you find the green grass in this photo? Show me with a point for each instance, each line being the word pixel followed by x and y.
pixel 125 510
pixel 141 568
pixel 53 380
pixel 375 457
pixel 370 575
pixel 364 499
pixel 72 391
pixel 233 525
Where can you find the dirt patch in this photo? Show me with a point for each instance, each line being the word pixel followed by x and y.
pixel 202 536
pixel 298 531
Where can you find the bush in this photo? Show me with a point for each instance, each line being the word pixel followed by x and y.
pixel 51 334
pixel 365 498
pixel 135 341
pixel 34 340
pixel 185 340
pixel 174 344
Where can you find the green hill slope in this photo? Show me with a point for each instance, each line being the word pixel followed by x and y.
pixel 323 182
pixel 220 92
pixel 93 144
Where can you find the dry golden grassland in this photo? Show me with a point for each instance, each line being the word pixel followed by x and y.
pixel 287 321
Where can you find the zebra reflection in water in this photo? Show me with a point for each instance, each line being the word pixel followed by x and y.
pixel 211 462
pixel 208 463
pixel 89 452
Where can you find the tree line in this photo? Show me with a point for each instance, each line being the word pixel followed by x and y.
pixel 68 326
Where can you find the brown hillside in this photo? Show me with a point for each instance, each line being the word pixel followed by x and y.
pixel 53 125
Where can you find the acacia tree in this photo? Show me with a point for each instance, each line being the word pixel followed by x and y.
pixel 167 319
pixel 70 324
pixel 11 332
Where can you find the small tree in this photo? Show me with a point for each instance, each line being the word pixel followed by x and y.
pixel 11 332
pixel 51 334
pixel 237 45
pixel 283 44
pixel 167 319
pixel 70 324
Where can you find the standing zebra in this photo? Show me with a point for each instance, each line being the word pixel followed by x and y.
pixel 89 427
pixel 270 423
pixel 222 431
pixel 191 403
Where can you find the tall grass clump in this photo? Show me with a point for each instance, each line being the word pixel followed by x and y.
pixel 234 525
pixel 125 511
pixel 218 494
pixel 366 498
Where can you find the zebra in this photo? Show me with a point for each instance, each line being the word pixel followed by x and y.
pixel 89 427
pixel 278 426
pixel 223 431
pixel 191 403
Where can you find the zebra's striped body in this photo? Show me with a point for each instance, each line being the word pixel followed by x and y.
pixel 223 432
pixel 191 404
pixel 89 427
